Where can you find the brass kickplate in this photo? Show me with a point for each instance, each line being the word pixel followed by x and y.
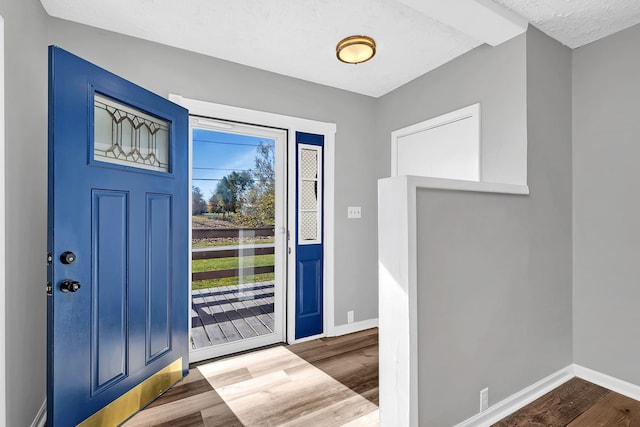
pixel 137 398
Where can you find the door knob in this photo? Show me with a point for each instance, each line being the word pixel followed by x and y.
pixel 67 257
pixel 68 285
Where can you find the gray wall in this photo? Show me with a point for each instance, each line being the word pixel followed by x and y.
pixel 26 207
pixel 494 271
pixel 606 239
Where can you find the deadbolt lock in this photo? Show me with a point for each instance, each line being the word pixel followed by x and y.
pixel 67 257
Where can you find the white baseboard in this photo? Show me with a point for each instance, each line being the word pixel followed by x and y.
pixel 41 417
pixel 305 339
pixel 614 384
pixel 350 328
pixel 520 399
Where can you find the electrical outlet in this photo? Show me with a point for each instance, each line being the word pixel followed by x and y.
pixel 484 399
pixel 354 212
pixel 350 316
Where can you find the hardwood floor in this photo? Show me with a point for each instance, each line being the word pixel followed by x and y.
pixel 577 403
pixel 334 382
pixel 326 382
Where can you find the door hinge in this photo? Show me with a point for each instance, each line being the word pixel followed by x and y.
pixel 49 289
pixel 49 258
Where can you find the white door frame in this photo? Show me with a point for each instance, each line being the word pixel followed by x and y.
pixel 3 376
pixel 280 138
pixel 291 125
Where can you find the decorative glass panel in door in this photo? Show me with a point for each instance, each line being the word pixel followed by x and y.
pixel 130 137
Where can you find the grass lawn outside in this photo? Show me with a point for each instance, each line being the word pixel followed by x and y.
pixel 231 263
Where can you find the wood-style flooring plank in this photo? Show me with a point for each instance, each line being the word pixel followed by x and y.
pixel 354 362
pixel 329 351
pixel 613 410
pixel 191 420
pixel 559 407
pixel 372 395
pixel 220 416
pixel 257 363
pixel 288 401
pixel 174 410
pixel 191 385
pixel 263 385
pixel 372 419
pixel 334 415
pixel 228 377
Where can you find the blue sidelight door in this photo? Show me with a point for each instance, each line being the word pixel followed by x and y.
pixel 309 235
pixel 118 243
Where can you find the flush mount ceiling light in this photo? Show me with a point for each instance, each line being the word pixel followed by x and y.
pixel 356 49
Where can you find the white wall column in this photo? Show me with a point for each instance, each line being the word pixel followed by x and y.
pixel 3 376
pixel 397 312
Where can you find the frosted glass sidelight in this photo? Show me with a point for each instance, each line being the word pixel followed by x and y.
pixel 308 164
pixel 309 226
pixel 126 136
pixel 309 195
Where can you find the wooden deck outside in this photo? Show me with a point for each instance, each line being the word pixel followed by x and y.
pixel 231 313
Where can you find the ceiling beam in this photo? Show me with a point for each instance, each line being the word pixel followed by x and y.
pixel 483 20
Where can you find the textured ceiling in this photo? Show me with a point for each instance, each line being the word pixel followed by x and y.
pixel 295 38
pixel 298 37
pixel 577 22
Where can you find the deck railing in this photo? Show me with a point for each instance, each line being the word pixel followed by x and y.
pixel 216 252
pixel 212 233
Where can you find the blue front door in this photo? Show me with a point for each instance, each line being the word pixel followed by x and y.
pixel 118 243
pixel 309 236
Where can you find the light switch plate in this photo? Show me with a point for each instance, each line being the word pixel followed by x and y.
pixel 354 212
